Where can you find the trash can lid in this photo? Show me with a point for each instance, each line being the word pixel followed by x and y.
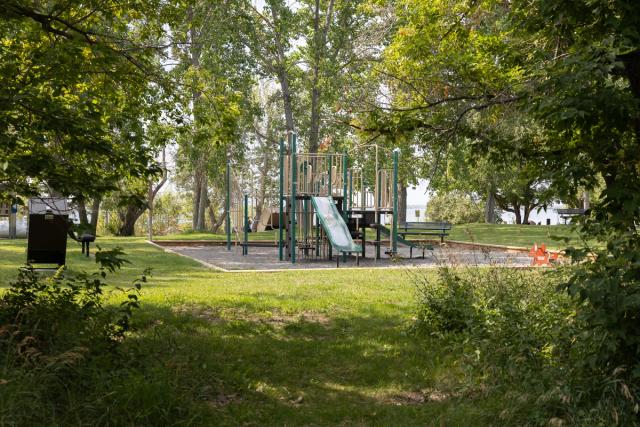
pixel 56 205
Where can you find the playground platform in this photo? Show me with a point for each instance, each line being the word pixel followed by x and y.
pixel 265 257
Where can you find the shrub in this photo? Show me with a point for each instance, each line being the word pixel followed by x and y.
pixel 45 317
pixel 57 335
pixel 511 329
pixel 564 357
pixel 455 207
pixel 608 294
pixel 52 324
pixel 445 304
pixel 518 311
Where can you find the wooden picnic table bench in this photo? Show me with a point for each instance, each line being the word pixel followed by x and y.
pixel 425 229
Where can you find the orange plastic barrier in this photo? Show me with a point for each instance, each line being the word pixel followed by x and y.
pixel 541 256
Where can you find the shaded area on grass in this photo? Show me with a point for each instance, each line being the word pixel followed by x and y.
pixel 292 348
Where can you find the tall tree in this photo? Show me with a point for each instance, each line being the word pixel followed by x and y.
pixel 65 70
pixel 579 79
pixel 214 70
pixel 269 33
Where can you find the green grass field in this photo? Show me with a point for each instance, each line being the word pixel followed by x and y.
pixel 496 234
pixel 515 235
pixel 286 348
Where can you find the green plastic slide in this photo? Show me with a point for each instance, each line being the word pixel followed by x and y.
pixel 333 224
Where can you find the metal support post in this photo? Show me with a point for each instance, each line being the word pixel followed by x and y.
pixel 245 246
pixel 394 235
pixel 294 182
pixel 329 183
pixel 345 203
pixel 280 201
pixel 377 213
pixel 228 207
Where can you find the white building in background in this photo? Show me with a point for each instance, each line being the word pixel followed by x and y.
pixel 416 213
pixel 21 226
pixel 418 197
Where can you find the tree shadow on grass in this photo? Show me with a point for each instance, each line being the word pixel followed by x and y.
pixel 240 366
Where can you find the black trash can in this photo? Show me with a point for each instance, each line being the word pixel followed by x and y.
pixel 48 226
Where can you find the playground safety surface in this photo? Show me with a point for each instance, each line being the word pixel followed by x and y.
pixel 261 258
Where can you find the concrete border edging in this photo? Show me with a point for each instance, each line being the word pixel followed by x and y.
pixel 203 263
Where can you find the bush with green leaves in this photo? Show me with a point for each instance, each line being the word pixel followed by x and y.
pixel 607 292
pixel 517 332
pixel 520 311
pixel 446 303
pixel 59 320
pixel 455 207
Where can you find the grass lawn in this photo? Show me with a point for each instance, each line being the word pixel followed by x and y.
pixel 496 234
pixel 286 348
pixel 515 235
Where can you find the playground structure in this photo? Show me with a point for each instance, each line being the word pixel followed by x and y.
pixel 324 205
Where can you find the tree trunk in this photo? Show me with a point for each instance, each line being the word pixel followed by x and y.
pixel 82 214
pixel 631 63
pixel 197 183
pixel 518 213
pixel 201 224
pixel 586 200
pixel 195 51
pixel 95 212
pixel 314 128
pixel 283 76
pixel 262 185
pixel 527 211
pixel 402 204
pixel 320 41
pixel 153 191
pixel 490 208
pixel 128 220
pixel 134 212
pixel 216 222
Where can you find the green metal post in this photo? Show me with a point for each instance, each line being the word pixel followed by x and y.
pixel 345 215
pixel 245 247
pixel 294 182
pixel 394 235
pixel 377 212
pixel 281 199
pixel 363 198
pixel 350 204
pixel 330 184
pixel 13 221
pixel 228 218
pixel 344 187
pixel 305 203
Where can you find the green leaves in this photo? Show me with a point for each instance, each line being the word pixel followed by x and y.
pixel 75 94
